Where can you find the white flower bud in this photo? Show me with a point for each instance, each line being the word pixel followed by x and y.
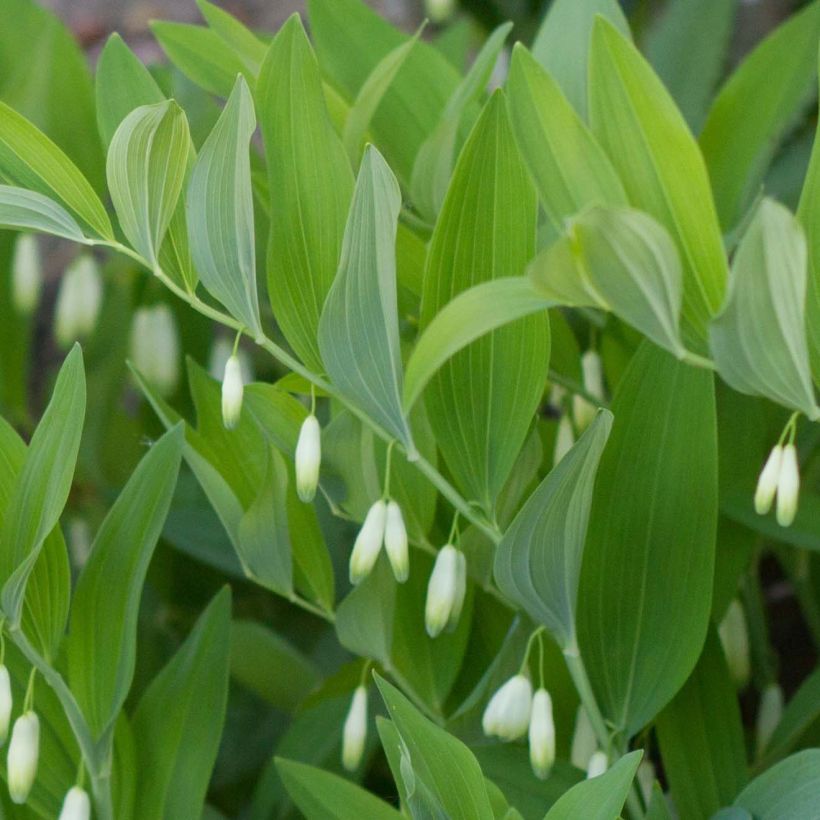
pixel 788 487
pixel 584 742
pixel 368 542
pixel 395 542
pixel 542 734
pixel 646 776
pixel 507 715
pixel 445 591
pixel 24 751
pixel 769 713
pixel 308 458
pixel 26 273
pixel 78 301
pixel 597 765
pixel 563 440
pixel 76 806
pixel 6 703
pixel 232 390
pixel 154 347
pixel 593 381
pixel 734 637
pixel 355 730
pixel 767 483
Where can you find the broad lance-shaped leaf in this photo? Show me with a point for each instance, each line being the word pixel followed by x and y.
pixel 43 484
pixel 661 168
pixel 755 110
pixel 538 562
pixel 20 208
pixel 29 159
pixel 436 157
pixel 220 211
pixel 311 186
pixel 486 231
pixel 146 167
pixel 569 167
pixel 787 791
pixel 242 40
pixel 562 43
pixel 102 643
pixel 759 339
pixel 178 721
pixel 646 581
pixel 621 260
pixel 359 326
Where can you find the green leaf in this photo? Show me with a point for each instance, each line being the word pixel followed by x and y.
pixel 759 339
pixel 538 562
pixel 646 581
pixel 660 165
pixel 220 211
pixel 568 166
pixel 178 722
pixel 437 155
pixel 102 649
pixel 439 761
pixel 249 48
pixel 701 738
pixel 600 798
pixel 620 260
pixel 322 795
pixel 788 791
pixel 147 160
pixel 563 41
pixel 29 159
pixel 43 483
pixel 359 328
pixel 755 109
pixel 312 184
pixel 687 47
pixel 20 208
pixel 481 402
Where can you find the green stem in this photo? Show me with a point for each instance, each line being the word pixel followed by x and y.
pixel 578 673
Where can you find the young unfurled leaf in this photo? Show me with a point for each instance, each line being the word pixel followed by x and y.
pixel 220 211
pixel 759 339
pixel 359 328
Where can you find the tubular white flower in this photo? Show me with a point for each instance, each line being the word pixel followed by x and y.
pixel 542 734
pixel 354 733
pixel 788 486
pixel 6 703
pixel 395 542
pixel 646 776
pixel 593 381
pixel 154 347
pixel 221 351
pixel 232 390
pixel 768 716
pixel 597 765
pixel 76 806
pixel 368 542
pixel 27 274
pixel 734 637
pixel 24 752
pixel 445 590
pixel 308 458
pixel 563 440
pixel 507 715
pixel 584 742
pixel 78 301
pixel 767 482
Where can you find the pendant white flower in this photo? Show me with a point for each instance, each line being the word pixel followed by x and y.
pixel 76 806
pixel 154 347
pixel 767 482
pixel 445 591
pixel 27 275
pixel 368 543
pixel 768 716
pixel 78 301
pixel 395 542
pixel 788 486
pixel 734 637
pixel 308 458
pixel 593 380
pixel 6 703
pixel 584 742
pixel 232 391
pixel 507 715
pixel 597 765
pixel 24 753
pixel 564 439
pixel 542 734
pixel 354 733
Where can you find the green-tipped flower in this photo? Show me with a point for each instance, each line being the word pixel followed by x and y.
pixel 597 765
pixel 308 458
pixel 593 380
pixel 445 591
pixel 354 733
pixel 542 735
pixel 154 347
pixel 76 805
pixel 768 716
pixel 584 742
pixel 767 482
pixel 6 703
pixel 26 274
pixel 507 715
pixel 232 391
pixel 395 542
pixel 368 543
pixel 24 753
pixel 788 486
pixel 734 637
pixel 78 301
